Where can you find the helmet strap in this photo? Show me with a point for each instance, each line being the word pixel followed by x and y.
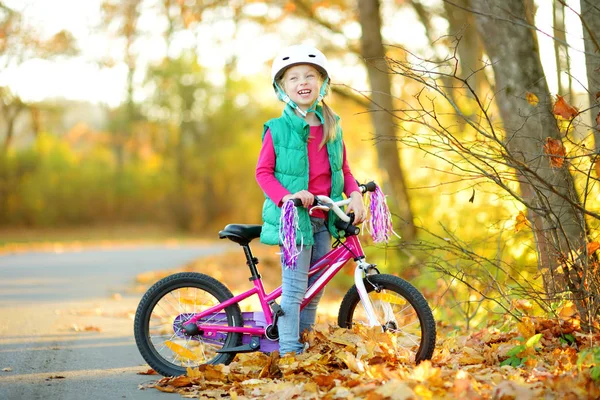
pixel 322 94
pixel 286 99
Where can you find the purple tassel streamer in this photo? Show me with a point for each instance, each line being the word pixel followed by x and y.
pixel 288 226
pixel 380 220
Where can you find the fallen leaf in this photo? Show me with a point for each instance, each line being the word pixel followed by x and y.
pixel 148 372
pixel 6 369
pixel 181 381
pixel 471 356
pixel 555 149
pixel 166 389
pixel 87 328
pixel 513 390
pixel 568 309
pixel 396 390
pixel 563 109
pixel 532 99
pixel 526 327
pixel 55 377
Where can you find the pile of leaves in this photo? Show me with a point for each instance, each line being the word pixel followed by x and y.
pixel 537 358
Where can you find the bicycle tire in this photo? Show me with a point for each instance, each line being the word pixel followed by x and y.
pixel 392 286
pixel 157 325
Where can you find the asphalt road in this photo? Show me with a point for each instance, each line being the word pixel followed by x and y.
pixel 66 321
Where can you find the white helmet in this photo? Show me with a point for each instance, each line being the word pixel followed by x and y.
pixel 298 54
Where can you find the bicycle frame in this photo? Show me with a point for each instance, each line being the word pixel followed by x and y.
pixel 331 263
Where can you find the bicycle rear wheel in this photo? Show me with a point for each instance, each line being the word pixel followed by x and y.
pixel 401 310
pixel 165 309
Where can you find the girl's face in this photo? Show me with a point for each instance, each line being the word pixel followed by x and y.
pixel 302 83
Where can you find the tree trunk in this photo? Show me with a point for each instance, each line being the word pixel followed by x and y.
pixel 561 55
pixel 559 225
pixel 387 151
pixel 470 50
pixel 590 10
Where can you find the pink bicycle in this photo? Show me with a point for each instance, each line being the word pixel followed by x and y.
pixel 188 319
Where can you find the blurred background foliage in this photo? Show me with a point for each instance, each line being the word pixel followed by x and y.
pixel 179 148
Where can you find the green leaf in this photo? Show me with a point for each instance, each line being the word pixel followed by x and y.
pixel 516 362
pixel 508 361
pixel 595 372
pixel 566 339
pixel 532 341
pixel 516 350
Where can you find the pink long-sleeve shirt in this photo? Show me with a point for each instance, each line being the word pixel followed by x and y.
pixel 319 171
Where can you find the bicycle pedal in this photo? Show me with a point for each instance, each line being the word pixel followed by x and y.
pixel 246 348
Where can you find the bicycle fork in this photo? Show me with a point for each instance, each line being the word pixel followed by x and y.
pixel 367 269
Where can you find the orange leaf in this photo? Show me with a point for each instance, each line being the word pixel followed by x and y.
pixel 522 304
pixel 148 372
pixel 521 221
pixel 567 310
pixel 598 121
pixel 532 99
pixel 555 149
pixel 592 247
pixel 564 109
pixel 597 168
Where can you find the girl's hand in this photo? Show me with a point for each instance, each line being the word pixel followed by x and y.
pixel 307 198
pixel 357 207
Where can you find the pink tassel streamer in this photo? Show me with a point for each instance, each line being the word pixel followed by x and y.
pixel 380 219
pixel 288 226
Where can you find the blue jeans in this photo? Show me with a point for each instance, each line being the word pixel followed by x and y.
pixel 293 286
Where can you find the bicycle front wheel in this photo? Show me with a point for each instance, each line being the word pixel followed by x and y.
pixel 167 307
pixel 401 310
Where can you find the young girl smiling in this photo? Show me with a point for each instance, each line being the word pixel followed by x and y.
pixel 303 155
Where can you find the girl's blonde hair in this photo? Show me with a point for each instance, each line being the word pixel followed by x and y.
pixel 329 125
pixel 329 117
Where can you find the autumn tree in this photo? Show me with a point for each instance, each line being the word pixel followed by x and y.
pixel 19 43
pixel 590 18
pixel 529 154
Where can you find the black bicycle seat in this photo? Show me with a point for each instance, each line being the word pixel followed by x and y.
pixel 241 234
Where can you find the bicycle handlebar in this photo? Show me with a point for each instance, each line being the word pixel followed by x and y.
pixel 325 203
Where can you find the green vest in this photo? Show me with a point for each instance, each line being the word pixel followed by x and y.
pixel 290 137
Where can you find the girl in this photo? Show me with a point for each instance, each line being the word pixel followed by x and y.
pixel 303 155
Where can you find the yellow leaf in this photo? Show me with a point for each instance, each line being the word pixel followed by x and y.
pixel 396 389
pixel 351 362
pixel 471 356
pixel 181 351
pixel 532 99
pixel 190 302
pixel 388 297
pixel 526 327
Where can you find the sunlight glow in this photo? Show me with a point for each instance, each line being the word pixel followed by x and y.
pixel 216 42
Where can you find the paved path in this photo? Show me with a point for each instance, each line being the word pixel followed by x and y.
pixel 48 300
